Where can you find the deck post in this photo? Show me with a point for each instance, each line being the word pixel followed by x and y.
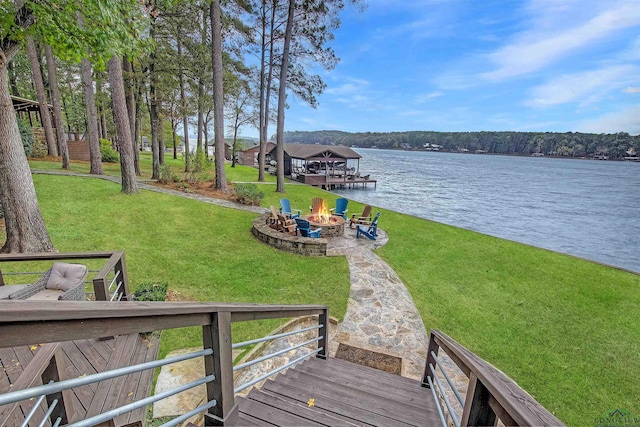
pixel 122 267
pixel 477 410
pixel 323 319
pixel 433 347
pixel 100 289
pixel 217 336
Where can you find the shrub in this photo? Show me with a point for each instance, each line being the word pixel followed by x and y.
pixel 165 173
pixel 248 194
pixel 199 161
pixel 151 292
pixel 27 136
pixel 109 155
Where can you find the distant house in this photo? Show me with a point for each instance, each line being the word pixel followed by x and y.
pixel 77 146
pixel 249 157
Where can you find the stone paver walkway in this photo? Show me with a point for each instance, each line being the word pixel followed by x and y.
pixel 381 315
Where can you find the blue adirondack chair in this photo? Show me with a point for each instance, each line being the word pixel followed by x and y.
pixel 369 230
pixel 285 209
pixel 304 227
pixel 341 208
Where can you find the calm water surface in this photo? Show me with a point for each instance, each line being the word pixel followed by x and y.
pixel 585 208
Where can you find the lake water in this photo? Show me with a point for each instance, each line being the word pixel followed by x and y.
pixel 586 208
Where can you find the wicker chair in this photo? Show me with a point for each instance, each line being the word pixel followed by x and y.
pixel 72 288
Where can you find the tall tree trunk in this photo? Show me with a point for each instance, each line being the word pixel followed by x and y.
pixel 153 116
pixel 101 109
pixel 201 129
pixel 45 114
pixel 200 116
pixel 95 157
pixel 185 122
pixel 131 108
pixel 57 109
pixel 123 127
pixel 282 94
pixel 13 79
pixel 235 141
pixel 218 98
pixel 174 136
pixel 136 135
pixel 25 227
pixel 153 111
pixel 262 115
pixel 161 145
pixel 267 98
pixel 100 119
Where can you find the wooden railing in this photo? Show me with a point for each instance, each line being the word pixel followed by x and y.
pixel 110 283
pixel 491 395
pixel 25 322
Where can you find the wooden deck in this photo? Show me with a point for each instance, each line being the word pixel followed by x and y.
pixel 331 182
pixel 343 393
pixel 86 357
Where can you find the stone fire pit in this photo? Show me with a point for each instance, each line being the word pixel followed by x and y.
pixel 331 227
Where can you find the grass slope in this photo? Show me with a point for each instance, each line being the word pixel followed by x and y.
pixel 205 252
pixel 565 329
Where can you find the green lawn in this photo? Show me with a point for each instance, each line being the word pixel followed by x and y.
pixel 205 252
pixel 563 328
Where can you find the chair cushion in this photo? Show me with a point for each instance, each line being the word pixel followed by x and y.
pixel 66 276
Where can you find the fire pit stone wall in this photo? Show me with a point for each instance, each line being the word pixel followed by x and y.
pixel 335 228
pixel 286 242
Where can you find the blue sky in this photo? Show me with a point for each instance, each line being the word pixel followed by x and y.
pixel 467 65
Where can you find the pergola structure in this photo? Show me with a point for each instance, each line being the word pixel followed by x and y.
pixel 324 166
pixel 23 105
pixel 310 159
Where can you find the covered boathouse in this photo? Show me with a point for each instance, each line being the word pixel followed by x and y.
pixel 324 166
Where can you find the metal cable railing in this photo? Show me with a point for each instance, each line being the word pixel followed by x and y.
pixel 272 337
pixel 276 354
pixel 275 371
pixel 452 413
pixel 446 376
pixel 19 395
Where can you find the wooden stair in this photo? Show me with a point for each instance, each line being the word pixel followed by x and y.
pixel 343 393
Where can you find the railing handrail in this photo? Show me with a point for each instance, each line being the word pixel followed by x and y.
pixel 114 257
pixel 518 404
pixel 45 256
pixel 25 322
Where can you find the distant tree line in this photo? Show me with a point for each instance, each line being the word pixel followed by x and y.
pixel 573 144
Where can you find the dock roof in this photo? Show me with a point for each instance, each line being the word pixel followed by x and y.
pixel 319 152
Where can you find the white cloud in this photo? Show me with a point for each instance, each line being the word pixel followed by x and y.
pixel 627 120
pixel 420 99
pixel 583 87
pixel 632 90
pixel 551 38
pixel 350 87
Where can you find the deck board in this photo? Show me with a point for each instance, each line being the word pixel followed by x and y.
pixel 412 394
pixel 138 386
pixel 86 357
pixel 344 393
pixel 300 408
